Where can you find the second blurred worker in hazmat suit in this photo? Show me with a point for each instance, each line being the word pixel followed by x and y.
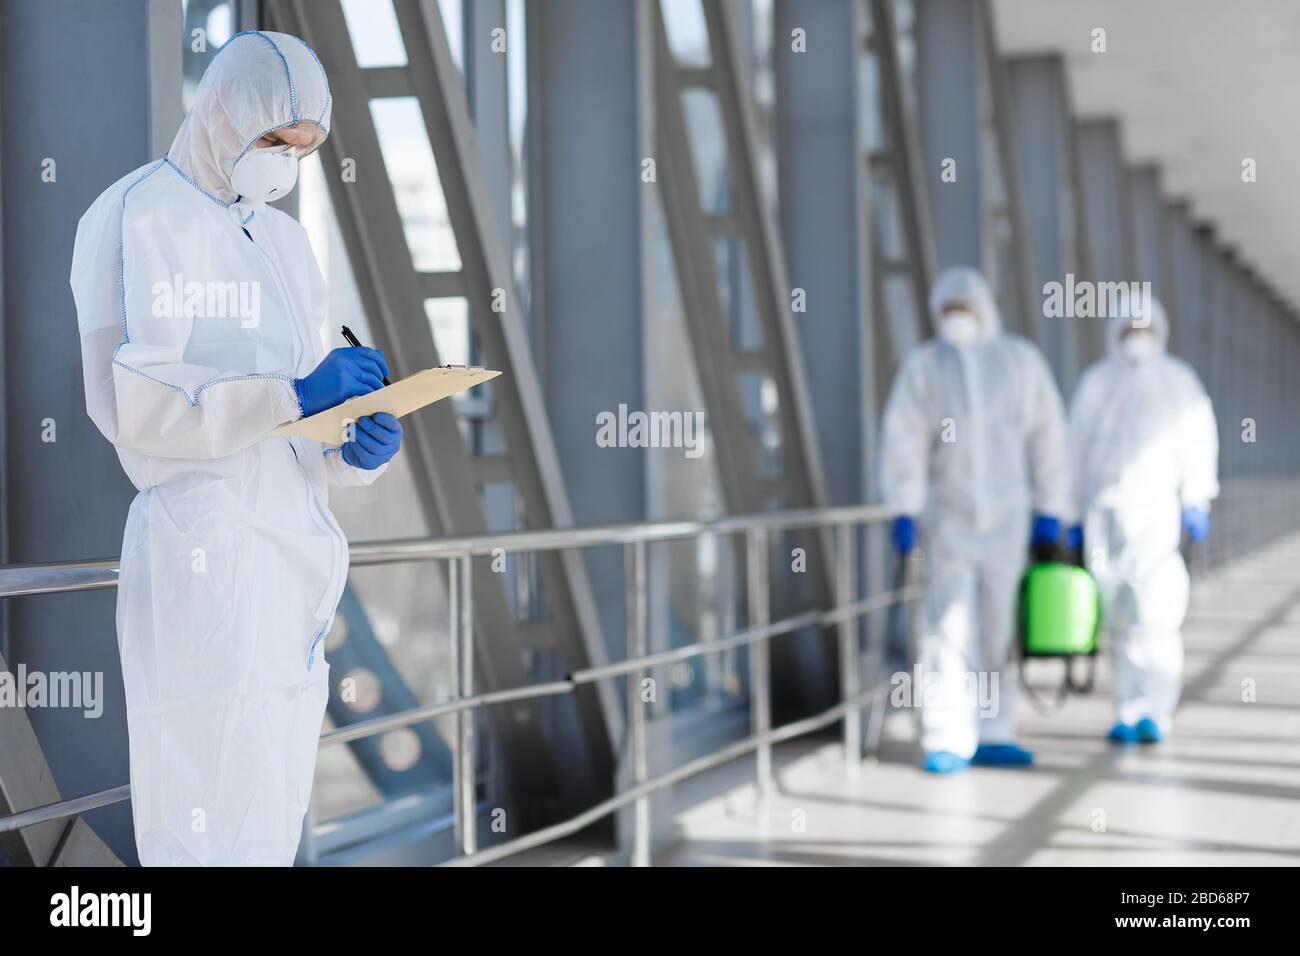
pixel 973 455
pixel 1146 450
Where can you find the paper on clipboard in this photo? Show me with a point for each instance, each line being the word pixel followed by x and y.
pixel 400 398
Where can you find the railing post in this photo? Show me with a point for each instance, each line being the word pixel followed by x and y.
pixel 453 687
pixel 461 664
pixel 760 694
pixel 849 659
pixel 465 718
pixel 880 659
pixel 310 851
pixel 634 565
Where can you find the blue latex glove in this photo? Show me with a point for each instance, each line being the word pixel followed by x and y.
pixel 377 439
pixel 1002 755
pixel 904 534
pixel 944 761
pixel 343 374
pixel 1047 531
pixel 1196 522
pixel 1074 537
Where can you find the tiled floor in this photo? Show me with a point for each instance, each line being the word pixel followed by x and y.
pixel 1224 790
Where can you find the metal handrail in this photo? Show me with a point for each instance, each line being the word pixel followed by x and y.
pixel 418 715
pixel 55 578
pixel 30 579
pixel 65 808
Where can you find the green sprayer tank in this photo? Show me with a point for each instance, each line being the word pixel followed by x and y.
pixel 1060 610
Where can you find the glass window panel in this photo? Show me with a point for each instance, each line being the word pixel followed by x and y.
pixel 687 30
pixel 216 20
pixel 906 320
pixel 400 607
pixel 694 594
pixel 763 75
pixel 891 239
pixel 400 610
pixel 341 785
pixel 708 139
pixel 399 614
pixel 365 512
pixel 906 22
pixel 735 293
pixel 761 401
pixel 449 322
pixel 376 38
pixel 517 128
pixel 874 123
pixel 413 171
pixel 487 436
pixel 702 582
pixel 453 337
pixel 453 20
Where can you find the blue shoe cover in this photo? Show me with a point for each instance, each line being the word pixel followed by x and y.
pixel 1002 755
pixel 1123 733
pixel 943 761
pixel 1149 732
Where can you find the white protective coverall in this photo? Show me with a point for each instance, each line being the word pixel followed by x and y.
pixel 1145 446
pixel 232 564
pixel 973 441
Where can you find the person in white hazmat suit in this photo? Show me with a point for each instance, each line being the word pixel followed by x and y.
pixel 200 311
pixel 1146 447
pixel 972 446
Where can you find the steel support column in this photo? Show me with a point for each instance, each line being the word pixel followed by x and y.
pixel 1019 297
pixel 823 217
pixel 588 297
pixel 486 85
pixel 1109 234
pixel 1045 153
pixel 71 75
pixel 1188 290
pixel 1150 258
pixel 952 104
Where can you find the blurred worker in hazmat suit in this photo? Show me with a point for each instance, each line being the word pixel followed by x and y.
pixel 200 310
pixel 1146 449
pixel 973 459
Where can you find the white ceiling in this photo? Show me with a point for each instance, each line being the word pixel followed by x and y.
pixel 1197 85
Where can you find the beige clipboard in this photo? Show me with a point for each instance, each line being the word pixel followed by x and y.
pixel 400 398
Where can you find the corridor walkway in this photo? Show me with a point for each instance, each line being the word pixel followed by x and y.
pixel 1224 791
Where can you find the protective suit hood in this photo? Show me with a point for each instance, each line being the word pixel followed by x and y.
pixel 257 82
pixel 1124 318
pixel 967 286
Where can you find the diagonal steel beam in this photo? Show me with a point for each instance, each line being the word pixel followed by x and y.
pixel 447 474
pixel 766 258
pixel 900 115
pixel 1002 112
pixel 26 782
pixel 520 405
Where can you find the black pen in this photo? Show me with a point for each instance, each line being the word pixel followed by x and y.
pixel 356 344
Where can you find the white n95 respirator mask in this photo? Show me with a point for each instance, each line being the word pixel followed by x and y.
pixel 265 175
pixel 959 328
pixel 1139 345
